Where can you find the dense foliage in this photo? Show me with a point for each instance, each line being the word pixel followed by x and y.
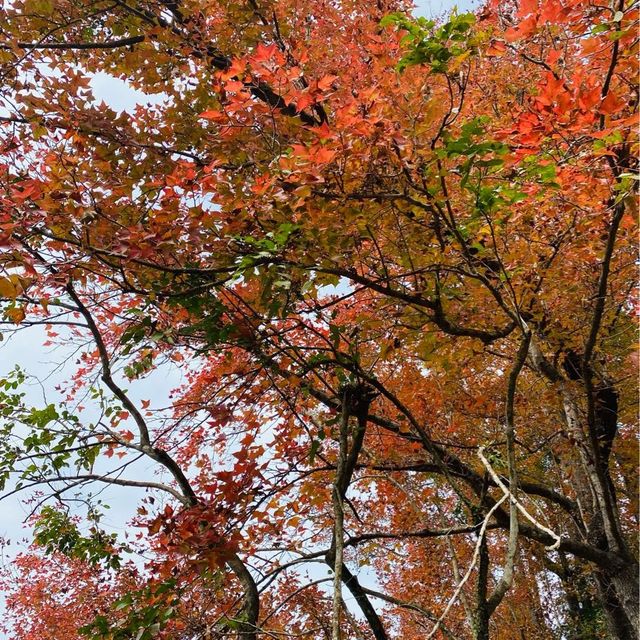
pixel 393 260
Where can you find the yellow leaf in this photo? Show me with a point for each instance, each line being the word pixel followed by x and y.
pixel 20 283
pixel 458 61
pixel 7 288
pixel 16 314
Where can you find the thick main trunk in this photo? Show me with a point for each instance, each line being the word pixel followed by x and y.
pixel 618 589
pixel 618 623
pixel 625 585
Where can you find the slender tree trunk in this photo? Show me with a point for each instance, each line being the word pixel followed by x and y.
pixel 338 519
pixel 481 618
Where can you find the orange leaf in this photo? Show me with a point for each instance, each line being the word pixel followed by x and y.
pixel 212 114
pixel 527 7
pixel 322 131
pixel 326 82
pixel 234 85
pixel 524 29
pixel 323 155
pixel 304 101
pixel 7 288
pixel 237 68
pixel 496 48
pixel 611 104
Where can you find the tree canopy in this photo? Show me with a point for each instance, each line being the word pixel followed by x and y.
pixel 394 260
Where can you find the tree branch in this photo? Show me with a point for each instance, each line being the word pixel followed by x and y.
pixel 110 44
pixel 504 584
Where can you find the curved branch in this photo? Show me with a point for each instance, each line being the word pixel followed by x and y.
pixel 188 497
pixel 467 575
pixel 107 480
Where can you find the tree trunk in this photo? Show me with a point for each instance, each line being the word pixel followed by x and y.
pixel 618 588
pixel 618 623
pixel 481 617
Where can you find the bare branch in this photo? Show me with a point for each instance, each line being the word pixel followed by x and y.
pixel 110 44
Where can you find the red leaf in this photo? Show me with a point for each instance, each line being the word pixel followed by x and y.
pixel 496 48
pixel 234 85
pixel 236 69
pixel 264 53
pixel 323 155
pixel 304 101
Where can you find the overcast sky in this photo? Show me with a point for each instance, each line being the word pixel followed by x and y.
pixel 435 8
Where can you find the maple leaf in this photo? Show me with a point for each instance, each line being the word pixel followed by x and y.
pixel 264 53
pixel 523 30
pixel 611 104
pixel 326 82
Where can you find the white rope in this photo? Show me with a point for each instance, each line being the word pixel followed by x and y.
pixel 467 575
pixel 514 500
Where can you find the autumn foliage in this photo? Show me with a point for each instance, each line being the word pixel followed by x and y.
pixel 393 260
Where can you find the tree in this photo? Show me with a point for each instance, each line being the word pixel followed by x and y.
pixel 394 259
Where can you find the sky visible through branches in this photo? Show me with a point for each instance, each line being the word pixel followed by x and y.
pixel 24 347
pixel 43 365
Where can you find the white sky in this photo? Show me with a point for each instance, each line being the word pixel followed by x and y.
pixel 435 8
